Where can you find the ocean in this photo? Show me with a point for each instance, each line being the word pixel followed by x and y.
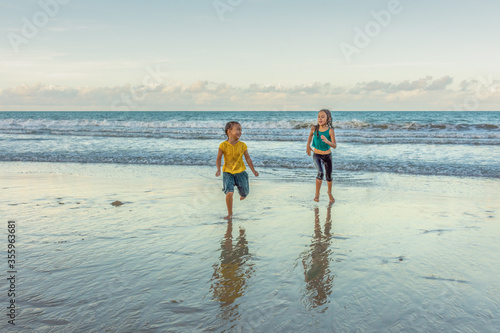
pixel 410 244
pixel 457 144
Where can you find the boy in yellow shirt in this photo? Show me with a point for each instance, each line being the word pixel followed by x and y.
pixel 234 173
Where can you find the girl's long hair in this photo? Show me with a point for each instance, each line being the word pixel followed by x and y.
pixel 328 121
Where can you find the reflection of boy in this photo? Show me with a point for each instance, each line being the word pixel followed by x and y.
pixel 230 277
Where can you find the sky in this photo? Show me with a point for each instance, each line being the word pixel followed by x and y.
pixel 276 55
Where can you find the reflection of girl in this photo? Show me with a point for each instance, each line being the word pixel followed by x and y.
pixel 316 272
pixel 323 138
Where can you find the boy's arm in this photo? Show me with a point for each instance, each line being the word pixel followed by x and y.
pixel 218 162
pixel 250 163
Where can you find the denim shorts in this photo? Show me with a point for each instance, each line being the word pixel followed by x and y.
pixel 240 180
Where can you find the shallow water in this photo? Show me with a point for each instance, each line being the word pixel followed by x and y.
pixel 393 254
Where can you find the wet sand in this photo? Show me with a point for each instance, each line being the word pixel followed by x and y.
pixel 395 253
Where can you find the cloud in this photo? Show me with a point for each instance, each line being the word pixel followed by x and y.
pixel 370 86
pixel 421 94
pixel 198 86
pixel 412 85
pixel 426 83
pixel 441 83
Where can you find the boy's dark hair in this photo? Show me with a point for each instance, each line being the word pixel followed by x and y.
pixel 328 121
pixel 230 125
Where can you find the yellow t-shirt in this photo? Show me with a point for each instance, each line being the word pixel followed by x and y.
pixel 233 157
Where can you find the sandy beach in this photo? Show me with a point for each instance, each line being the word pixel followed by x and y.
pixel 395 253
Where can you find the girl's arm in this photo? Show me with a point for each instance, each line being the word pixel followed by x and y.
pixel 218 162
pixel 250 164
pixel 308 148
pixel 332 143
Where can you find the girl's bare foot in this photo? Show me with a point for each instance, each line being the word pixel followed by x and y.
pixel 229 217
pixel 332 199
pixel 316 198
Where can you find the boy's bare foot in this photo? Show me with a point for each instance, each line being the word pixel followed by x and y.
pixel 316 198
pixel 242 198
pixel 229 217
pixel 332 199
